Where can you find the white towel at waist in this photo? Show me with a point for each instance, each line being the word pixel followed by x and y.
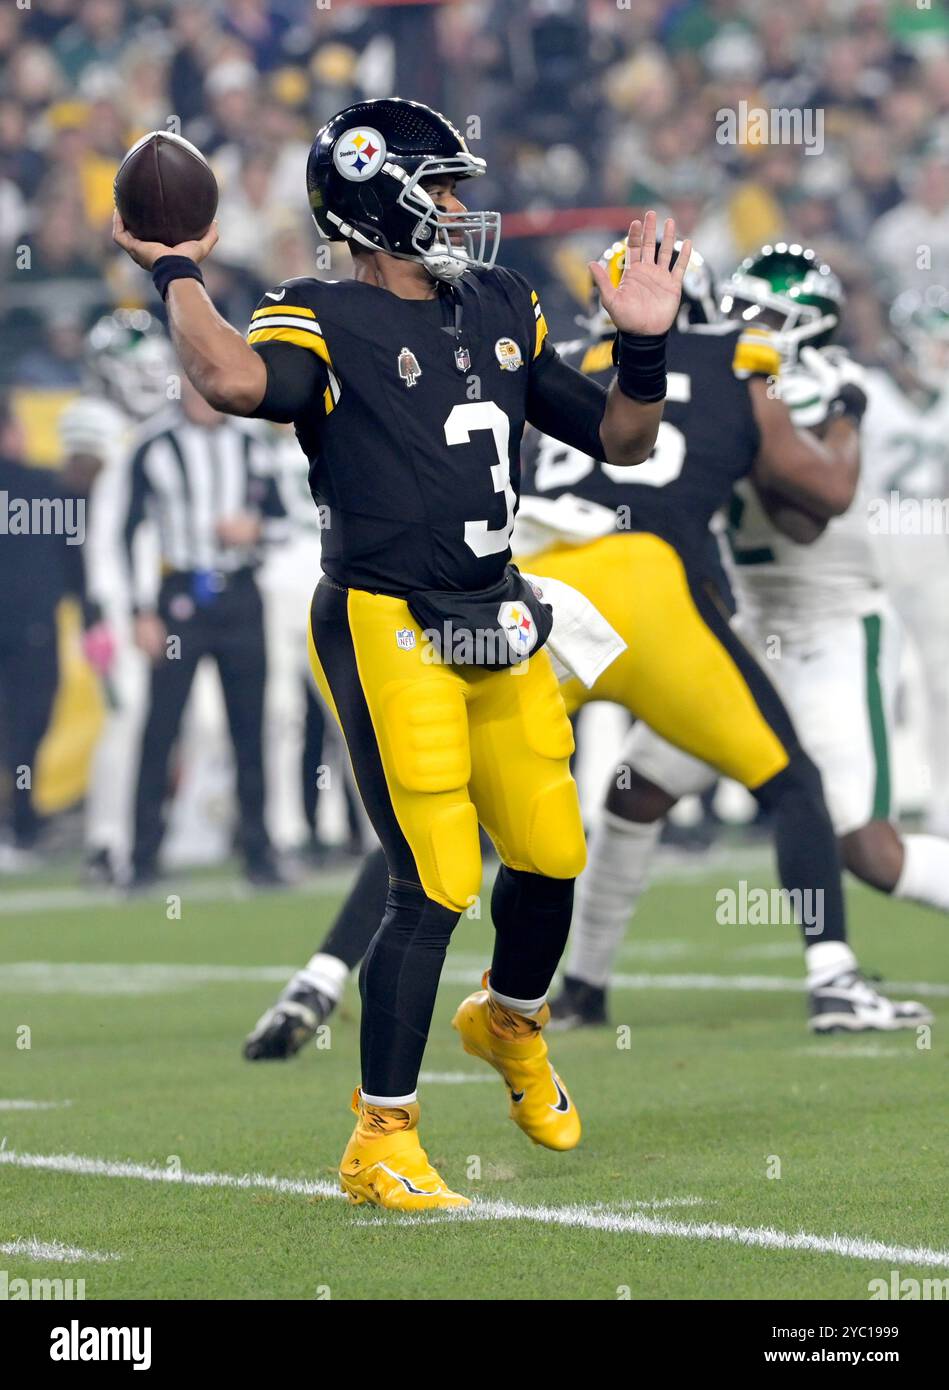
pixel 581 643
pixel 564 520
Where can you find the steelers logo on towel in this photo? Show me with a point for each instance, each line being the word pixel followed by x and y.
pixel 518 627
pixel 359 153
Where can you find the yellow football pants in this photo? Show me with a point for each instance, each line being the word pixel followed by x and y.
pixel 436 749
pixel 684 672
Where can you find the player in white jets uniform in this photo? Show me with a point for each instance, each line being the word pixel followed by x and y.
pixel 818 618
pixel 906 472
pixel 128 360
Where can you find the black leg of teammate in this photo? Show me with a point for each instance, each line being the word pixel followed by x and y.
pixel 358 919
pixel 806 847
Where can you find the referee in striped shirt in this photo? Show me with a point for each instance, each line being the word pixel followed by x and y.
pixel 204 480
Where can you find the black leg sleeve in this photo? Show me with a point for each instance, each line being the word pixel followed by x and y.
pixel 398 983
pixel 532 919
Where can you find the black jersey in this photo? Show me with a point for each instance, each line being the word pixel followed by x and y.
pixel 414 420
pixel 707 440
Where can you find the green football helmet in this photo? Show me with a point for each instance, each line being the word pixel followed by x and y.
pixel 786 287
pixel 128 359
pixel 921 323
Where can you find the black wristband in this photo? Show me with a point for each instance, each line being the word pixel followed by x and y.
pixel 641 366
pixel 168 268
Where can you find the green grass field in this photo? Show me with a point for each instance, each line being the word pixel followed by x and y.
pixel 137 1021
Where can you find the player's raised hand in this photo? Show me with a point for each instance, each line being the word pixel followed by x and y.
pixel 646 299
pixel 146 253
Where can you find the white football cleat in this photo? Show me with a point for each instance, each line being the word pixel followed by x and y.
pixel 850 1003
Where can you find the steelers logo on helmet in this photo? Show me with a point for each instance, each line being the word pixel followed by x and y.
pixel 359 153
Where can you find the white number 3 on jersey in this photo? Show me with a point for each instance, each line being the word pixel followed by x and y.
pixel 461 423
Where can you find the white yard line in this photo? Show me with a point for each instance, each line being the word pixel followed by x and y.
pixel 149 1172
pixel 35 977
pixel 34 1104
pixel 849 1051
pixel 16 901
pixel 673 867
pixel 583 1217
pixel 147 977
pixel 34 1249
pixel 754 984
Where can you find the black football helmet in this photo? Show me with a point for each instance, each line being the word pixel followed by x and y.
pixel 697 305
pixel 364 179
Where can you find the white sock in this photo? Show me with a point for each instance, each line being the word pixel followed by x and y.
pixel 619 855
pixel 328 974
pixel 389 1102
pixel 925 876
pixel 827 959
pixel 517 1006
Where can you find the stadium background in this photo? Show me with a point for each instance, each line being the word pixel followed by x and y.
pixel 131 1126
pixel 584 109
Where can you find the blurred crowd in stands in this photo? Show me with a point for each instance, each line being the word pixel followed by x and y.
pixel 575 104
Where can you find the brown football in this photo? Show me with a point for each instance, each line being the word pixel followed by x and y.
pixel 165 190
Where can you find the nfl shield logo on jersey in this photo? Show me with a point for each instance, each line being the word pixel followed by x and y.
pixel 462 359
pixel 409 369
pixel 405 638
pixel 518 626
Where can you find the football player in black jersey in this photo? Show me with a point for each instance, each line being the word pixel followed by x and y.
pixel 409 387
pixel 638 545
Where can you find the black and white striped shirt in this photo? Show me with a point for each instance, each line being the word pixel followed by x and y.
pixel 186 477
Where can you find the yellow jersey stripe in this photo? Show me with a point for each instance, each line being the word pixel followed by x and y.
pixel 541 334
pixel 297 309
pixel 297 336
pixel 598 358
pixel 756 355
